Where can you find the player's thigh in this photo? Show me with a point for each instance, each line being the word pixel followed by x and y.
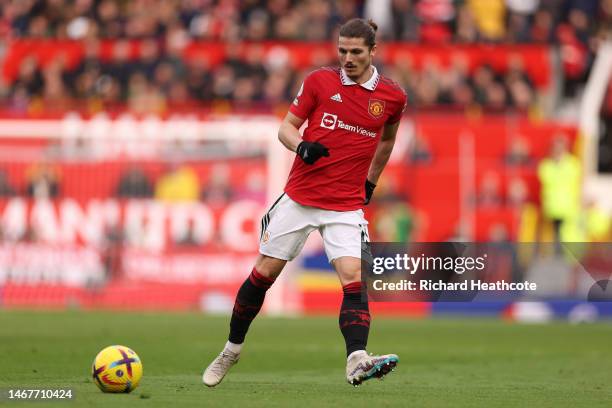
pixel 285 229
pixel 343 234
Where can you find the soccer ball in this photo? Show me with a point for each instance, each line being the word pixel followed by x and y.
pixel 117 369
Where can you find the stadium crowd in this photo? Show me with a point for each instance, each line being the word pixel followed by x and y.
pixel 160 77
pixel 256 20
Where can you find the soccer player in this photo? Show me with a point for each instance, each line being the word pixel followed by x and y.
pixel 353 115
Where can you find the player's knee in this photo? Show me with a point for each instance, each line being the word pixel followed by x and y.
pixel 348 269
pixel 269 267
pixel 351 277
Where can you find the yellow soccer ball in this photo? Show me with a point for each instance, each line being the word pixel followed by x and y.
pixel 117 369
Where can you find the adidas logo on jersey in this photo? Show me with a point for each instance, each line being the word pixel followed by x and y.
pixel 336 98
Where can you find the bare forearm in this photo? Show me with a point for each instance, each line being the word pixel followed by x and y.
pixel 289 136
pixel 381 157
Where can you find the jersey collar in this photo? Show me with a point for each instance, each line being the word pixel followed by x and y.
pixel 370 84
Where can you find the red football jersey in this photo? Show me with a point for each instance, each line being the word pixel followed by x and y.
pixel 348 119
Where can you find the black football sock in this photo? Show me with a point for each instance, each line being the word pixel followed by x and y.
pixel 249 300
pixel 354 318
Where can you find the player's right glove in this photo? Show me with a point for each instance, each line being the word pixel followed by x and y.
pixel 310 152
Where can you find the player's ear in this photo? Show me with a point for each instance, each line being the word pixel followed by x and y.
pixel 373 50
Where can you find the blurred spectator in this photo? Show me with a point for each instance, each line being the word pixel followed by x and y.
pixel 29 78
pixel 489 194
pixel 55 90
pixel 425 20
pixel 604 160
pixel 559 176
pixel 598 222
pixel 518 83
pixel 429 84
pixel 81 80
pixel 152 76
pixel 218 190
pixel 574 58
pixel 117 72
pixel 519 152
pixel 112 249
pixel 455 82
pixel 434 16
pixel 484 77
pixel 466 30
pixel 420 152
pixel 461 232
pixel 496 96
pixel 42 181
pixel 542 28
pixel 522 210
pixel 134 184
pixel 223 82
pixel 393 221
pixel 254 187
pixel 404 21
pixel 6 190
pixel 179 183
pixel 498 233
pixel 502 259
pixel 519 19
pixel 517 193
pixel 149 57
pixel 199 79
pixel 489 16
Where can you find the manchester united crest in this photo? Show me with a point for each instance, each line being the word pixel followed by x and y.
pixel 376 108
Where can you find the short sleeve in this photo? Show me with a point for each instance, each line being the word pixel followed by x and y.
pixel 305 101
pixel 401 107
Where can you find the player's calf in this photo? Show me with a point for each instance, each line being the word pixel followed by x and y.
pixel 248 302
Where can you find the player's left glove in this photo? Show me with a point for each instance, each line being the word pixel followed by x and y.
pixel 369 190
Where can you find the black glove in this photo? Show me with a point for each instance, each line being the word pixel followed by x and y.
pixel 369 190
pixel 311 152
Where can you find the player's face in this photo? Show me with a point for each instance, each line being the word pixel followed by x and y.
pixel 355 57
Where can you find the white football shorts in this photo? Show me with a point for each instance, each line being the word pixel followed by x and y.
pixel 286 226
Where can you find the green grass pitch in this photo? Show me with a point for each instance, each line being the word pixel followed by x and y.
pixel 300 362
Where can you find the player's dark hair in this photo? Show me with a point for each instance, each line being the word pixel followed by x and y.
pixel 360 28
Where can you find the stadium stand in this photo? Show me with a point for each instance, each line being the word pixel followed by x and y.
pixel 485 80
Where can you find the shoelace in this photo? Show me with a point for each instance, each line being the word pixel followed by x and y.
pixel 224 362
pixel 363 366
